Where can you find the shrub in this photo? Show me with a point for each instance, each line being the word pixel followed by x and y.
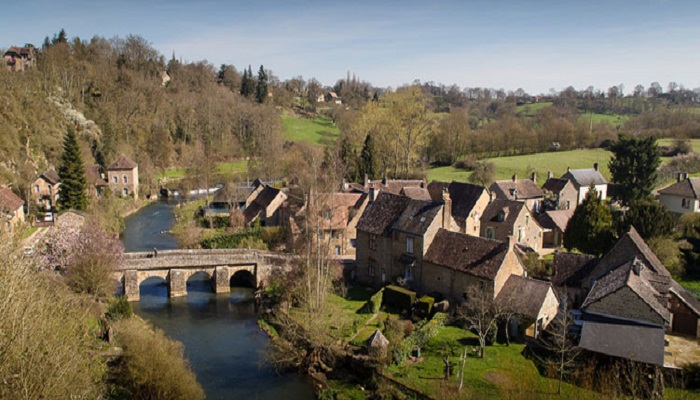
pixel 374 303
pixel 425 306
pixel 399 297
pixel 119 308
pixel 153 366
pixel 216 222
pixel 691 375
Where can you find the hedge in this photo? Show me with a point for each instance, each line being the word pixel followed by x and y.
pixel 399 297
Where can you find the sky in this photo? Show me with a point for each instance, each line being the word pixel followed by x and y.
pixel 534 45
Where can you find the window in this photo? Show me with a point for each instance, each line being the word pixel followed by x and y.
pixel 115 179
pixel 409 245
pixel 686 203
pixel 373 242
pixel 527 220
pixel 125 180
pixel 371 269
pixel 489 233
pixel 126 192
pixel 521 232
pixel 353 243
pixel 36 189
pixel 337 250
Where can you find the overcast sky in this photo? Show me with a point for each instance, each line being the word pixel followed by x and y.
pixel 534 45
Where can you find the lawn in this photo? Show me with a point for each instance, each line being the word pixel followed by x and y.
pixel 532 108
pixel 318 131
pixel 610 119
pixel 695 143
pixel 503 373
pixel 691 286
pixel 556 162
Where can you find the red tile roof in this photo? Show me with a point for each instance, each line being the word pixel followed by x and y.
pixel 9 202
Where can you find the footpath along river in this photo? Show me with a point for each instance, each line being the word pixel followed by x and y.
pixel 219 332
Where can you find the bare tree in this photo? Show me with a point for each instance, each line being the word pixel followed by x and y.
pixel 558 343
pixel 480 314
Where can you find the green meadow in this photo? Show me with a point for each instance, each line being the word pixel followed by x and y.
pixel 318 131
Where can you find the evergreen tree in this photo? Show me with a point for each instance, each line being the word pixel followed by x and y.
pixel 348 156
pixel 71 192
pixel 650 218
pixel 367 163
pixel 590 229
pixel 633 166
pixel 247 82
pixel 261 92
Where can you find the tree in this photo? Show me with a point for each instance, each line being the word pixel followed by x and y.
pixel 479 314
pixel 484 174
pixel 557 341
pixel 650 218
pixel 261 91
pixel 71 192
pixel 590 229
pixel 367 163
pixel 247 82
pixel 633 166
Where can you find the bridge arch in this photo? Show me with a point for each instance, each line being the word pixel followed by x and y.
pixel 243 278
pixel 199 281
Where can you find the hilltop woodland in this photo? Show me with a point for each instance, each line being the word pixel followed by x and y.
pixel 123 97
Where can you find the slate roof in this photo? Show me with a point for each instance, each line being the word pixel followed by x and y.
pixel 626 276
pixel 261 202
pixel 516 189
pixel 417 216
pixel 463 195
pixel 555 185
pixel 470 254
pixel 584 177
pixel 381 214
pixel 688 299
pixel 624 339
pixel 570 268
pixel 511 209
pixel 123 163
pixel 629 246
pixel 51 176
pixel 524 295
pixel 395 185
pixel 9 201
pixel 555 219
pixel 688 188
pixel 415 192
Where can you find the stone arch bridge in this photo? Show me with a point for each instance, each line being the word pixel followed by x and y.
pixel 177 266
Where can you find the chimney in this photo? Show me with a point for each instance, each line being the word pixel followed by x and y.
pixel 366 181
pixel 534 177
pixel 373 193
pixel 685 176
pixel 568 169
pixel 515 177
pixel 446 209
pixel 637 267
pixel 550 175
pixel 595 166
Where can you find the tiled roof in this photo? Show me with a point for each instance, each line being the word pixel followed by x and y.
pixel 524 295
pixel 627 275
pixel 415 192
pixel 417 216
pixel 123 162
pixel 555 219
pixel 381 214
pixel 688 188
pixel 555 185
pixel 688 299
pixel 584 177
pixel 470 254
pixel 510 208
pixel 51 176
pixel 9 201
pixel 92 175
pixel 516 190
pixel 570 268
pixel 261 202
pixel 395 185
pixel 463 195
pixel 624 339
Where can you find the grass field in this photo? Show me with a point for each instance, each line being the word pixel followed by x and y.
pixel 223 168
pixel 318 131
pixel 610 119
pixel 557 162
pixel 532 108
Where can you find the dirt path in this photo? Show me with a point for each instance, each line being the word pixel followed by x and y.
pixel 372 318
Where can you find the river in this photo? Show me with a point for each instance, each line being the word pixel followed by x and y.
pixel 222 341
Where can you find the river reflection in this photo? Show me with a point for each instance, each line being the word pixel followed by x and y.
pixel 222 341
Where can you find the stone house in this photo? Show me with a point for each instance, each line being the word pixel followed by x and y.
pixel 584 178
pixel 94 178
pixel 682 196
pixel 508 218
pixel 19 58
pixel 70 219
pixel 514 189
pixel 393 235
pixel 264 203
pixel 468 203
pixel 123 177
pixel 553 223
pixel 455 261
pixel 560 194
pixel 534 302
pixel 11 210
pixel 44 190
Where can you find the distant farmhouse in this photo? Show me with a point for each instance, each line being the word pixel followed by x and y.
pixel 19 58
pixel 123 177
pixel 584 178
pixel 683 196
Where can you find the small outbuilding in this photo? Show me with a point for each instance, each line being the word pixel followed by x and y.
pixel 378 344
